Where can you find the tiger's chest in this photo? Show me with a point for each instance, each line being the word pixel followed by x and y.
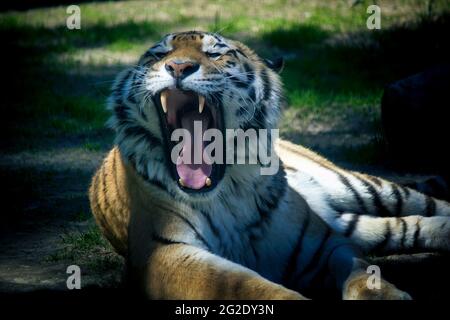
pixel 239 233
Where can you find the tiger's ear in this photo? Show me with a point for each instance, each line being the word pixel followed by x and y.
pixel 276 64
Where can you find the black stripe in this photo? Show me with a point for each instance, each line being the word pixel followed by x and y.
pixel 319 278
pixel 118 88
pixel 250 73
pixel 142 162
pixel 234 183
pixel 131 93
pixel 142 133
pixel 430 209
pixel 242 53
pixel 142 114
pixel 398 200
pixel 336 206
pixel 291 266
pixel 220 45
pixel 241 111
pixel 120 112
pixel 247 125
pixel 114 176
pixel 148 54
pixel 258 121
pixel 313 263
pixel 165 241
pixel 352 225
pixel 157 184
pixel 215 37
pixel 104 186
pixel 96 185
pixel 268 202
pixel 236 81
pixel 375 180
pixel 231 53
pixel 252 238
pixel 231 64
pixel 260 116
pixel 252 93
pixel 105 198
pixel 377 202
pixel 358 198
pixel 404 231
pixel 132 159
pixel 416 234
pixel 266 83
pixel 405 190
pixel 263 217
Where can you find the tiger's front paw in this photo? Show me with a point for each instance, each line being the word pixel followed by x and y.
pixel 356 288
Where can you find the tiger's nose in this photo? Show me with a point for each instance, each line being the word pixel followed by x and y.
pixel 181 69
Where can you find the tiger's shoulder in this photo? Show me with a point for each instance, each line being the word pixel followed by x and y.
pixel 116 190
pixel 109 200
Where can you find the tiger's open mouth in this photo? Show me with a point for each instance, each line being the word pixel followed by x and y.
pixel 180 109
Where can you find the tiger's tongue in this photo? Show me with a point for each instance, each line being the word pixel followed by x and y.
pixel 194 175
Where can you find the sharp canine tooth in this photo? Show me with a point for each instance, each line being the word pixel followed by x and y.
pixel 163 97
pixel 201 103
pixel 180 181
pixel 208 182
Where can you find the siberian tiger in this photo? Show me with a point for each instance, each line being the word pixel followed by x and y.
pixel 224 231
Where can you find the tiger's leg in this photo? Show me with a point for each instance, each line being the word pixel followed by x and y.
pixel 379 215
pixel 181 271
pixel 396 234
pixel 390 199
pixel 391 217
pixel 324 258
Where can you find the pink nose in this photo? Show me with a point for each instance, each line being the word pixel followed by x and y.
pixel 181 69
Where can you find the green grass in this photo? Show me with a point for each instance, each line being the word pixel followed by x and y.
pixel 88 249
pixel 59 78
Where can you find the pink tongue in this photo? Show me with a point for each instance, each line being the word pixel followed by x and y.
pixel 194 175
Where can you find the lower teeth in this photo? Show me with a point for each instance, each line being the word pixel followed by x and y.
pixel 208 182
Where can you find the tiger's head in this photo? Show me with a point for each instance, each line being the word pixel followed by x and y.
pixel 187 77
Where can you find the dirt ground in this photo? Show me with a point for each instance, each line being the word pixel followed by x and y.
pixel 55 183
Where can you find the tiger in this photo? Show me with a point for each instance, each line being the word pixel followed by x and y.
pixel 224 230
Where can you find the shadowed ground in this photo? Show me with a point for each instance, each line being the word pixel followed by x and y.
pixel 57 80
